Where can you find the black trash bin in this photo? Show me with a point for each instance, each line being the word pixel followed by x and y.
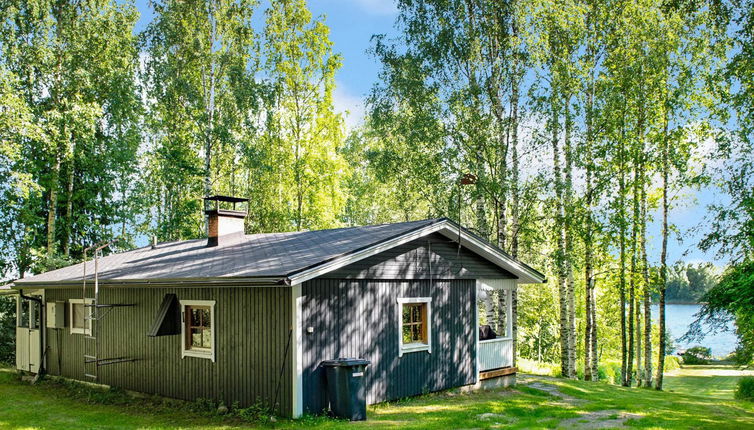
pixel 345 387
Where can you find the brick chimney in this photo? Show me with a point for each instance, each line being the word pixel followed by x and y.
pixel 225 225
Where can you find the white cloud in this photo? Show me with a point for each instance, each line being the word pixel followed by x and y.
pixel 350 105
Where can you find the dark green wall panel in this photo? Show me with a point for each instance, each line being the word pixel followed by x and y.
pixel 252 326
pixel 358 318
pixel 413 260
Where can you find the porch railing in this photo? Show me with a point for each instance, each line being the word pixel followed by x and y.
pixel 495 353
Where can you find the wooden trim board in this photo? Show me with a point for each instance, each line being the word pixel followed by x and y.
pixel 505 371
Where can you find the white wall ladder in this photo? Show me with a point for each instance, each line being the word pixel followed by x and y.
pixel 94 313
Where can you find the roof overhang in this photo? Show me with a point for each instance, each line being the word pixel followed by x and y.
pixel 444 226
pixel 173 283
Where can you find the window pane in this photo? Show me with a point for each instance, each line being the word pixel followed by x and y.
pixel 206 320
pixel 78 315
pixel 406 334
pixel 416 313
pixel 196 318
pixel 196 337
pixel 24 317
pixel 406 313
pixel 207 338
pixel 35 315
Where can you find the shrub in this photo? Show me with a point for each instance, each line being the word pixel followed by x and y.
pixel 672 363
pixel 7 329
pixel 609 371
pixel 255 413
pixel 697 355
pixel 745 389
pixel 538 367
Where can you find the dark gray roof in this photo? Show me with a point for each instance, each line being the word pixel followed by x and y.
pixel 273 255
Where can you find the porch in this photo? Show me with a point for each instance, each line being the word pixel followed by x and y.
pixel 495 308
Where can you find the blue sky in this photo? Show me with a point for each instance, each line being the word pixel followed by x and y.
pixel 354 22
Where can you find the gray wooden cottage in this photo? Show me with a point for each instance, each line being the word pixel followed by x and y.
pixel 249 318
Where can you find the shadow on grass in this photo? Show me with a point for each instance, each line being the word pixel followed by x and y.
pixel 53 405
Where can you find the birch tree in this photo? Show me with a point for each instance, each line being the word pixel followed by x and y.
pixel 200 79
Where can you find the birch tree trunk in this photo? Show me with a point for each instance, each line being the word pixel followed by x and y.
pixel 561 236
pixel 69 206
pixel 53 205
pixel 665 160
pixel 632 341
pixel 647 382
pixel 210 91
pixel 622 251
pixel 514 174
pixel 567 227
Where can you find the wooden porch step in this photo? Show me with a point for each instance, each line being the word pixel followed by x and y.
pixel 494 373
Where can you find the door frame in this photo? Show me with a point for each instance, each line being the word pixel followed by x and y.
pixel 30 340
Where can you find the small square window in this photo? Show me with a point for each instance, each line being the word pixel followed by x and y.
pixel 414 322
pixel 79 316
pixel 198 328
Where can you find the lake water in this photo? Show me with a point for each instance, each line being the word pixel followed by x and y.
pixel 679 317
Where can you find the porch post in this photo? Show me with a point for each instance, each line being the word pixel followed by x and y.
pixel 297 387
pixel 476 327
pixel 514 321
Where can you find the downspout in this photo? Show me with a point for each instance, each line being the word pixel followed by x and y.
pixel 42 334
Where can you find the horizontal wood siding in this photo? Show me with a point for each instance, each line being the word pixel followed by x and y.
pixel 358 318
pixel 252 326
pixel 412 261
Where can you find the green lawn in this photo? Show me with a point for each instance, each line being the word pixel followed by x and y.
pixel 537 402
pixel 711 381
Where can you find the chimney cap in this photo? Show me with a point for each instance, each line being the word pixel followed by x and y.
pixel 219 198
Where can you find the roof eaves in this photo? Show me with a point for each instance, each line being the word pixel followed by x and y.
pixel 171 282
pixel 433 225
pixel 534 273
pixel 312 271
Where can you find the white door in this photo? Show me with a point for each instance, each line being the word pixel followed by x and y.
pixel 28 332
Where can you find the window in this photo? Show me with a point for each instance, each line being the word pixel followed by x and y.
pixel 415 324
pixel 78 316
pixel 198 328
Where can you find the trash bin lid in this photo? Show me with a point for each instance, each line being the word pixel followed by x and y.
pixel 346 362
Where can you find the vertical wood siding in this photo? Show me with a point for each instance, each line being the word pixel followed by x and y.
pixel 358 318
pixel 252 326
pixel 412 261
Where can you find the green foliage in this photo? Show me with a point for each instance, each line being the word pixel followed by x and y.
pixel 203 98
pixel 609 371
pixel 672 362
pixel 257 412
pixel 538 367
pixel 745 388
pixel 106 133
pixel 732 298
pixel 687 283
pixel 7 329
pixel 301 185
pixel 72 132
pixel 697 355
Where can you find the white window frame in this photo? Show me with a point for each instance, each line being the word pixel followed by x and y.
pixel 87 330
pixel 193 352
pixel 414 347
